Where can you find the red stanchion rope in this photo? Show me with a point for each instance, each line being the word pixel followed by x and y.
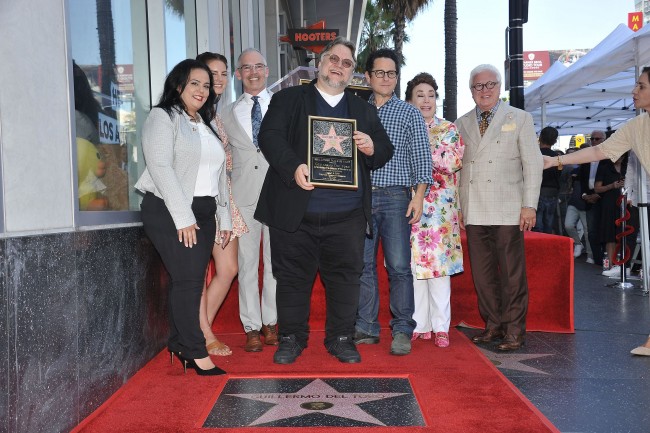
pixel 628 231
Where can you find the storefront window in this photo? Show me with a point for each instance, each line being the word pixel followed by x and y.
pixel 111 91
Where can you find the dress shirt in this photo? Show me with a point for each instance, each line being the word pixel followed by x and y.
pixel 245 106
pixel 411 163
pixel 492 112
pixel 593 168
pixel 210 165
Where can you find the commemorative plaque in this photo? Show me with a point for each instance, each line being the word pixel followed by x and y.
pixel 332 154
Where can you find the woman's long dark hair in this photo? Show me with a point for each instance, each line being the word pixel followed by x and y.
pixel 175 83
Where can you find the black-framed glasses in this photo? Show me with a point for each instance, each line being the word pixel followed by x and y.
pixel 250 68
pixel 597 138
pixel 334 59
pixel 480 86
pixel 381 73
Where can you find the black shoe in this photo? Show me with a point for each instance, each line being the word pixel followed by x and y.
pixel 187 362
pixel 344 349
pixel 288 350
pixel 361 338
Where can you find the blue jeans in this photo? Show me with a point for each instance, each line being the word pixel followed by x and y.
pixel 546 213
pixel 389 224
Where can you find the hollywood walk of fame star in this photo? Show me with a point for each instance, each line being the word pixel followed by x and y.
pixel 317 396
pixel 512 361
pixel 332 140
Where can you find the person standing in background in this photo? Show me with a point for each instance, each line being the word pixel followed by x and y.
pixel 550 189
pixel 587 176
pixel 242 120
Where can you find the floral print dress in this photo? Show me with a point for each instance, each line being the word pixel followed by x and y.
pixel 435 240
pixel 238 225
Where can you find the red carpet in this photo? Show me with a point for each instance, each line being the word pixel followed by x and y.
pixel 457 388
pixel 549 266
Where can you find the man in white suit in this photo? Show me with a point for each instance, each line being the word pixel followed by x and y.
pixel 499 188
pixel 242 120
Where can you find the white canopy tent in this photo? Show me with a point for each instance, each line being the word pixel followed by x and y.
pixel 594 92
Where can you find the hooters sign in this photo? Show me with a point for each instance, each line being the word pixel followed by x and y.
pixel 313 38
pixel 635 20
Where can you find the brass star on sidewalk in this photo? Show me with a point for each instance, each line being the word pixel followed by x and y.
pixel 317 396
pixel 332 140
pixel 512 361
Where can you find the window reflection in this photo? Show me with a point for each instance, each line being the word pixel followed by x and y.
pixel 111 100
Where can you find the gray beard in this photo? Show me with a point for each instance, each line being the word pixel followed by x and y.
pixel 336 85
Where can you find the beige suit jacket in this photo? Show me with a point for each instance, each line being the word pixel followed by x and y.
pixel 249 166
pixel 502 171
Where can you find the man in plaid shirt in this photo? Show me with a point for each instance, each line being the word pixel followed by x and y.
pixel 394 206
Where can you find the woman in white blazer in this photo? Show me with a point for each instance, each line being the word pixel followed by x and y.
pixel 185 185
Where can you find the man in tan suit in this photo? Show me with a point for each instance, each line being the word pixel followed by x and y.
pixel 242 120
pixel 499 189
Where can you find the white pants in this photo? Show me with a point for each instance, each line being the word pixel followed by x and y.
pixel 432 305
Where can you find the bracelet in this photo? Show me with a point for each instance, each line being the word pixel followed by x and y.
pixel 559 163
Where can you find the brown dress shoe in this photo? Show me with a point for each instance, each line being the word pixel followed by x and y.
pixel 488 336
pixel 253 342
pixel 511 342
pixel 270 333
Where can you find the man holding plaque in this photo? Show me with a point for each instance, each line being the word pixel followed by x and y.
pixel 394 206
pixel 307 133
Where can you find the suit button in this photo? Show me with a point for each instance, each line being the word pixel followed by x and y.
pixel 472 162
pixel 489 181
pixel 471 181
pixel 258 150
pixel 255 167
pixel 490 161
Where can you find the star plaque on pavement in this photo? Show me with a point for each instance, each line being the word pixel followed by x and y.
pixel 313 402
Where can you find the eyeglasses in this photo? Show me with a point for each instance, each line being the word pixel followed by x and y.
pixel 480 86
pixel 597 138
pixel 250 68
pixel 380 74
pixel 334 59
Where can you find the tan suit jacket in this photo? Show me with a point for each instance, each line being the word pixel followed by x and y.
pixel 249 166
pixel 502 171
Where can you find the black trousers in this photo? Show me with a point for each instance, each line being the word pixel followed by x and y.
pixel 329 242
pixel 498 261
pixel 186 267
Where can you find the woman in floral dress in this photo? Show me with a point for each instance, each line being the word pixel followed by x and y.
pixel 224 251
pixel 435 240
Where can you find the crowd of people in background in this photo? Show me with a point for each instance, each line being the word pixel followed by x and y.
pixel 236 186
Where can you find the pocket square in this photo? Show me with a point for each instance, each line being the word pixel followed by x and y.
pixel 509 127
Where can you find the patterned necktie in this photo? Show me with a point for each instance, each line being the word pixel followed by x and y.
pixel 256 118
pixel 483 124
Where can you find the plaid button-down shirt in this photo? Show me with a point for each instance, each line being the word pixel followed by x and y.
pixel 411 163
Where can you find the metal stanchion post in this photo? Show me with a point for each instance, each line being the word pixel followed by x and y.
pixel 622 283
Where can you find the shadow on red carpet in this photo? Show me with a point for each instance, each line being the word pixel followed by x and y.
pixel 457 388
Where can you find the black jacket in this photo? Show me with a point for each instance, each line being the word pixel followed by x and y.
pixel 283 139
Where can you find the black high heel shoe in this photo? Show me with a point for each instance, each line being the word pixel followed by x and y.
pixel 215 371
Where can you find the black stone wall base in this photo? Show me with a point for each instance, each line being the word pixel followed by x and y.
pixel 80 313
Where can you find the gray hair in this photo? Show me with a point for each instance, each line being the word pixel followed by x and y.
pixel 483 68
pixel 249 50
pixel 340 40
